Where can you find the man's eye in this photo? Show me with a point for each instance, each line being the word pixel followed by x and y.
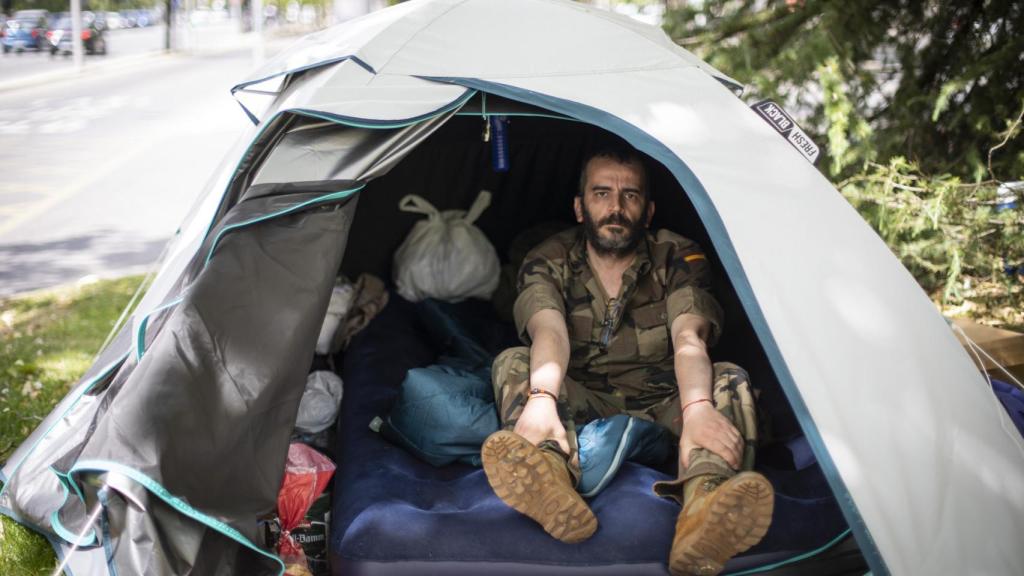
pixel 600 193
pixel 632 195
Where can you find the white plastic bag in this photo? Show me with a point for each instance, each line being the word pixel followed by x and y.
pixel 445 256
pixel 320 400
pixel 341 301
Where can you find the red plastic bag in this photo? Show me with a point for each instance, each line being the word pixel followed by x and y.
pixel 306 475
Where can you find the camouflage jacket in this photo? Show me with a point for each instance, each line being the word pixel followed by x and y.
pixel 619 345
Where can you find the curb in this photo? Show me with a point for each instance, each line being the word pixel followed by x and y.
pixel 31 80
pixel 271 44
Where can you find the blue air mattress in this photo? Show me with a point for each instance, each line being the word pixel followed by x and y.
pixel 394 514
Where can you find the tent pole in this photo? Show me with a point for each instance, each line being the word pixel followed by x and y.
pixel 89 523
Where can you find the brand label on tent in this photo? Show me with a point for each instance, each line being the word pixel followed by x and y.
pixel 777 117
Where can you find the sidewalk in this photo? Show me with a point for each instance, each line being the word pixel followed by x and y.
pixel 191 40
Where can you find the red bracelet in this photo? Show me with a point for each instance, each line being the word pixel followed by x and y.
pixel 691 403
pixel 542 392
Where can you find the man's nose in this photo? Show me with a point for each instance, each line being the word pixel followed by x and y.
pixel 619 203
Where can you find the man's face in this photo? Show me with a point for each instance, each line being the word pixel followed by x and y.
pixel 614 209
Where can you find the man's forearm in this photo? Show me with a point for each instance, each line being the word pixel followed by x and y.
pixel 549 357
pixel 691 361
pixel 693 372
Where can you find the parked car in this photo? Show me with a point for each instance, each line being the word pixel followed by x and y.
pixel 26 30
pixel 136 18
pixel 114 20
pixel 94 38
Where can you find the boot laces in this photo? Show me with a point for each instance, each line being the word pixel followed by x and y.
pixel 710 484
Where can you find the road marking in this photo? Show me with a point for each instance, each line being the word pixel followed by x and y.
pixel 98 174
pixel 67 116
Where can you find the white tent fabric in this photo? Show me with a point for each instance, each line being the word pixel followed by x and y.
pixel 916 447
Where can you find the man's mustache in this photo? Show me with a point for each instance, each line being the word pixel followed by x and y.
pixel 616 219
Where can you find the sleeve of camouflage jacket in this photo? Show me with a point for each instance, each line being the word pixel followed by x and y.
pixel 688 287
pixel 540 284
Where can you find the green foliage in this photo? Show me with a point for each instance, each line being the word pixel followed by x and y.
pixel 23 552
pixel 94 5
pixel 47 341
pixel 918 106
pixel 933 80
pixel 950 235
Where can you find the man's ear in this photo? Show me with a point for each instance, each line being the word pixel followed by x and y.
pixel 577 207
pixel 650 212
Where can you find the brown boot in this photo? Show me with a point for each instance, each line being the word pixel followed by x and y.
pixel 536 483
pixel 720 518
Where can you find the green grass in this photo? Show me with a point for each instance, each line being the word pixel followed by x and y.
pixel 47 340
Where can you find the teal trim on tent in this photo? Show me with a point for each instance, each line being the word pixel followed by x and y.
pixel 58 527
pixel 517 115
pixel 794 559
pixel 362 64
pixel 347 121
pixel 369 123
pixel 140 337
pixel 81 391
pixel 727 254
pixel 178 504
pixel 252 117
pixel 318 200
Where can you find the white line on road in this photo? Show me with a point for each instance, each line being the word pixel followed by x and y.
pixel 101 172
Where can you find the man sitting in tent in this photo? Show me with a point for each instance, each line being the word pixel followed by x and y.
pixel 597 304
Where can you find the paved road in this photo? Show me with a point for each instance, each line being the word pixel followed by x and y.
pixel 120 43
pixel 97 172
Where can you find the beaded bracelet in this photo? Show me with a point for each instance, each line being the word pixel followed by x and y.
pixel 542 392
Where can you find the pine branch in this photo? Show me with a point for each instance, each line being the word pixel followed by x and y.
pixel 1011 132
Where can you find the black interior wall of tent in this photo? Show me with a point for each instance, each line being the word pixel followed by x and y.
pixel 454 164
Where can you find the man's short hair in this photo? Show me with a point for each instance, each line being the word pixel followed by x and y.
pixel 621 153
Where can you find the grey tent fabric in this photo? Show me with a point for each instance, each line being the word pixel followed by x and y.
pixel 856 345
pixel 202 401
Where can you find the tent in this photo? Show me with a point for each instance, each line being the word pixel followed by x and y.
pixel 161 457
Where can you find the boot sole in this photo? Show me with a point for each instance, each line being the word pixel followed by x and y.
pixel 522 477
pixel 738 517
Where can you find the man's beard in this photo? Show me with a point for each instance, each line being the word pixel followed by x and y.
pixel 617 245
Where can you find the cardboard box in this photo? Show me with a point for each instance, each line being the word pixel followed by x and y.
pixel 1004 346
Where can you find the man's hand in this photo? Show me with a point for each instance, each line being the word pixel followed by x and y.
pixel 705 427
pixel 539 422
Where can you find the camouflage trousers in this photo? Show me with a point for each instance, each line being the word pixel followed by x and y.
pixel 579 404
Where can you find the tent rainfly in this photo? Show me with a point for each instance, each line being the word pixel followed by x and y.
pixel 161 458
